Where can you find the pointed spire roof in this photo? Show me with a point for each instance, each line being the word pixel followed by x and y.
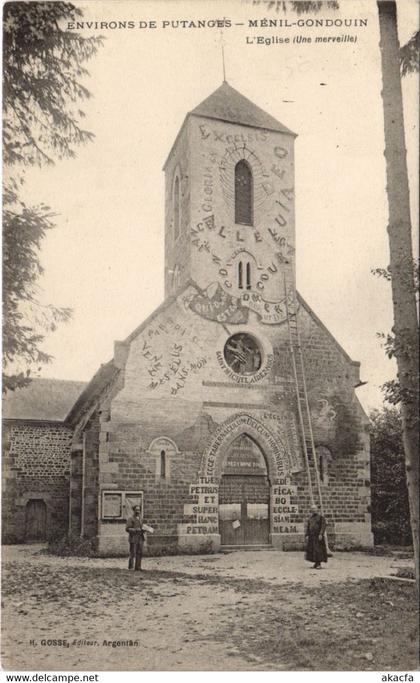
pixel 227 104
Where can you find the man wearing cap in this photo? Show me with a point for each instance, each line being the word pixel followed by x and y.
pixel 134 528
pixel 316 549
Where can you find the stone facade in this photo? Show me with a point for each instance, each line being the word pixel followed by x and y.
pixel 206 384
pixel 202 418
pixel 36 470
pixel 36 445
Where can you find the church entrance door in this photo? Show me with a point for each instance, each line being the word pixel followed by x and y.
pixel 244 495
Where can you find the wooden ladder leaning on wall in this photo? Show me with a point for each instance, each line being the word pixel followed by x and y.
pixel 305 421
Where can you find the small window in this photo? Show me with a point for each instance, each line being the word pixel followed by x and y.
pixel 163 465
pixel 321 466
pixel 243 193
pixel 163 450
pixel 323 455
pixel 240 275
pixel 177 213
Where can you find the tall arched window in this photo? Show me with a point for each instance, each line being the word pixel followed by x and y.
pixel 163 465
pixel 248 275
pixel 321 466
pixel 244 275
pixel 243 193
pixel 176 199
pixel 240 275
pixel 163 451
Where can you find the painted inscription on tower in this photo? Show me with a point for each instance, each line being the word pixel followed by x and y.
pixel 229 158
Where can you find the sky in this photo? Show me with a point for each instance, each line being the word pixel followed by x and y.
pixel 105 257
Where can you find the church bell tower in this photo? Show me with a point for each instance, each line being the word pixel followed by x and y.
pixel 229 203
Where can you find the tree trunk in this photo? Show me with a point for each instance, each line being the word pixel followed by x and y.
pixel 401 255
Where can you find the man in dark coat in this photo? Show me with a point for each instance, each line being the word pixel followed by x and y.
pixel 316 549
pixel 135 531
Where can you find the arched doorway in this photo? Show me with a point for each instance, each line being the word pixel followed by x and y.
pixel 35 520
pixel 244 495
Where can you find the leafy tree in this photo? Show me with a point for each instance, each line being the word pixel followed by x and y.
pixel 42 87
pixel 23 231
pixel 409 55
pixel 42 64
pixel 298 6
pixel 390 506
pixel 392 388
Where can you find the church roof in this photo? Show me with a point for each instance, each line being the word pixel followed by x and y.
pixel 46 400
pixel 106 374
pixel 227 104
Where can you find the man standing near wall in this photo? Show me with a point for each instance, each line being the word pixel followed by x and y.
pixel 135 531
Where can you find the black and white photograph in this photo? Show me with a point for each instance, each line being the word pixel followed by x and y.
pixel 210 337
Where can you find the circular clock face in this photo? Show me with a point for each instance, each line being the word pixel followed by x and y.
pixel 242 354
pixel 227 171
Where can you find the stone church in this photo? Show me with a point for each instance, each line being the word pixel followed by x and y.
pixel 197 417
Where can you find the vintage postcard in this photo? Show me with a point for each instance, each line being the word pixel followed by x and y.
pixel 200 468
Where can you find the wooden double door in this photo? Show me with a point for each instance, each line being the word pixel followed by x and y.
pixel 244 505
pixel 244 495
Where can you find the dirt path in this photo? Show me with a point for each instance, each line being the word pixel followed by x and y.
pixel 242 611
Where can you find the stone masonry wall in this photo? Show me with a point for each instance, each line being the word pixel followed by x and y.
pixel 75 512
pixel 36 466
pixel 84 487
pixel 91 476
pixel 128 466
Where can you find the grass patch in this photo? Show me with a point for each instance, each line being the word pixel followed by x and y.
pixel 405 573
pixel 69 546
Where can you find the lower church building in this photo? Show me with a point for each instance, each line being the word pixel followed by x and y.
pixel 36 447
pixel 232 407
